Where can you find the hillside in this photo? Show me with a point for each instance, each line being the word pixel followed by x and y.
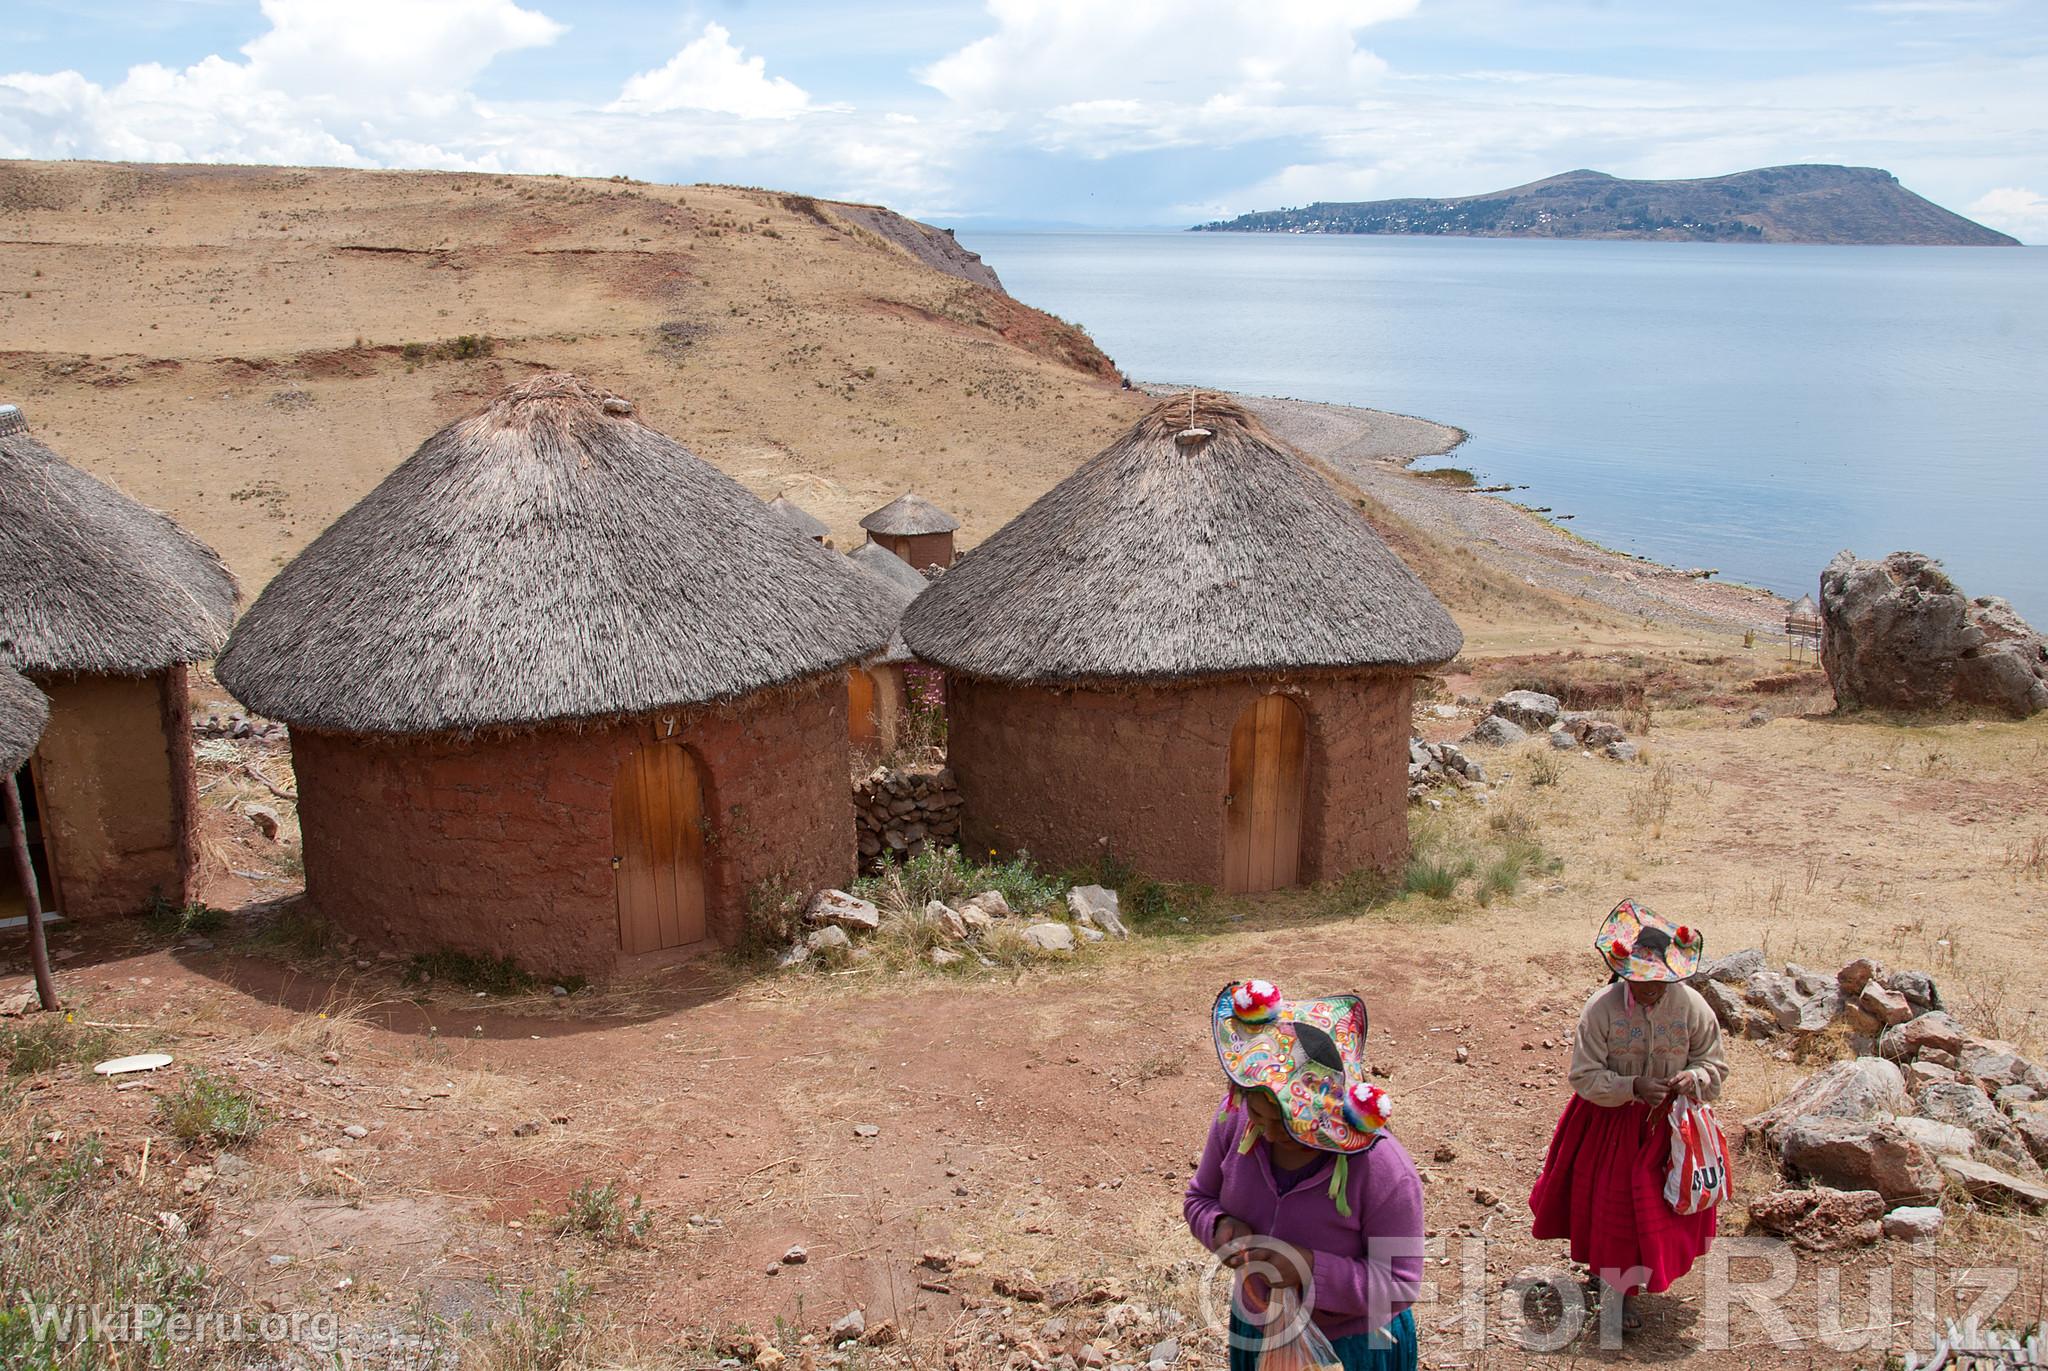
pixel 1801 204
pixel 251 349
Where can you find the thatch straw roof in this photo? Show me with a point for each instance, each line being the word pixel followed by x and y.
pixel 1195 545
pixel 1803 610
pixel 23 712
pixel 549 557
pixel 899 583
pixel 907 515
pixel 97 582
pixel 805 522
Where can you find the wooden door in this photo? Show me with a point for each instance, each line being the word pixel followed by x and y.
pixel 860 706
pixel 658 848
pixel 1262 812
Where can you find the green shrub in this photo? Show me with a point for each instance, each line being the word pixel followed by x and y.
pixel 1436 877
pixel 603 1213
pixel 44 1041
pixel 169 920
pixel 204 1110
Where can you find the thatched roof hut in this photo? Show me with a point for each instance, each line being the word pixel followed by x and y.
pixel 914 529
pixel 898 585
pixel 107 601
pixel 1195 651
pixel 99 583
pixel 23 713
pixel 801 519
pixel 560 691
pixel 1168 559
pixel 549 557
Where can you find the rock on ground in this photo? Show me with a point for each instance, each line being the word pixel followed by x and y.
pixel 1899 634
pixel 1736 967
pixel 1497 730
pixel 1528 708
pixel 1094 906
pixel 846 911
pixel 1864 1088
pixel 1050 937
pixel 1852 1154
pixel 1915 1036
pixel 1968 1107
pixel 1821 1219
pixel 1910 1223
pixel 1993 1186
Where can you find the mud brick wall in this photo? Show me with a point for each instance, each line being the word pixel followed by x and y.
pixel 114 772
pixel 899 814
pixel 1142 771
pixel 502 845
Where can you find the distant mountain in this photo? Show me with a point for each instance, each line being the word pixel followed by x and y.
pixel 1804 204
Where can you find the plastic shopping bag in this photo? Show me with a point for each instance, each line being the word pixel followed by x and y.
pixel 1297 1344
pixel 1698 1178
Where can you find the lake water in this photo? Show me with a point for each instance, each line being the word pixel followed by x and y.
pixel 1755 409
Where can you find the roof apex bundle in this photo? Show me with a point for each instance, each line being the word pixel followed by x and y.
pixel 1195 545
pixel 103 584
pixel 548 557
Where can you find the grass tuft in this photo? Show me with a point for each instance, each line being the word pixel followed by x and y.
pixel 43 1042
pixel 205 1110
pixel 604 1214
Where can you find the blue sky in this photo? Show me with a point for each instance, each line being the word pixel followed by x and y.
pixel 1105 112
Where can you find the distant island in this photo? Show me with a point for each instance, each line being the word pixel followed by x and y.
pixel 1801 204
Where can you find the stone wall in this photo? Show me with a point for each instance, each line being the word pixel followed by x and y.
pixel 117 798
pixel 1069 775
pixel 900 813
pixel 502 845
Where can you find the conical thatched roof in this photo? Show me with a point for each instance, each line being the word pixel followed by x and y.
pixel 94 581
pixel 1802 610
pixel 550 557
pixel 23 712
pixel 907 515
pixel 804 522
pixel 899 583
pixel 1192 546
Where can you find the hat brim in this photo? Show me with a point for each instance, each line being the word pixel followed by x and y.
pixel 1296 1068
pixel 1625 925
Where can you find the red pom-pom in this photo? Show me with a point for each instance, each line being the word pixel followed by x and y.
pixel 1619 951
pixel 1684 936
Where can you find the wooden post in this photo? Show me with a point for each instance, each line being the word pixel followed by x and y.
pixel 25 872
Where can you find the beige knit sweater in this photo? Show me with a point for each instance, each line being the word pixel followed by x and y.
pixel 1617 1043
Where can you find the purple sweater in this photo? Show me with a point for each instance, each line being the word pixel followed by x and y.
pixel 1366 1268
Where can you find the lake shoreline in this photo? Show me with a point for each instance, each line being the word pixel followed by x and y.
pixel 1376 449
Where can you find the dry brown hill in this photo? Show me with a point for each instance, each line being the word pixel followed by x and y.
pixel 251 349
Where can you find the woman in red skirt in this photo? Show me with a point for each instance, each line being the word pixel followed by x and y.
pixel 1641 1040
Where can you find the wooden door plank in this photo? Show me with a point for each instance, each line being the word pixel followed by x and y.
pixel 1292 770
pixel 860 706
pixel 632 879
pixel 1265 789
pixel 690 920
pixel 1237 814
pixel 660 775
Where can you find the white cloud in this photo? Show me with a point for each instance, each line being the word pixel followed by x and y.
pixel 2013 209
pixel 710 74
pixel 1097 77
pixel 357 52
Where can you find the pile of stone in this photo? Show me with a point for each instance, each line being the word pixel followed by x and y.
pixel 1522 714
pixel 840 920
pixel 1877 1141
pixel 1438 766
pixel 899 814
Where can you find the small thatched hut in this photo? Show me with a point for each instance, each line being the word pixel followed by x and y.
pixel 1193 653
pixel 914 529
pixel 106 603
pixel 800 518
pixel 877 694
pixel 560 691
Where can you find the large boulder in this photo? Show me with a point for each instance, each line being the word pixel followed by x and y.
pixel 1736 966
pixel 1932 1031
pixel 1531 709
pixel 2032 1127
pixel 1993 1186
pixel 1898 634
pixel 1999 1064
pixel 1869 1154
pixel 1497 730
pixel 1797 1008
pixel 1864 1089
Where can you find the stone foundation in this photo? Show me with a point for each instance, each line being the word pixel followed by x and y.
pixel 899 814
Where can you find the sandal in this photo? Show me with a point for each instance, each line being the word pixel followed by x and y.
pixel 1631 1315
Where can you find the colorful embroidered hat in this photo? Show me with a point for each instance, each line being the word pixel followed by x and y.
pixel 1639 945
pixel 1310 1054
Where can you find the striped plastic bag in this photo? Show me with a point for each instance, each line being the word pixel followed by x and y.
pixel 1698 1178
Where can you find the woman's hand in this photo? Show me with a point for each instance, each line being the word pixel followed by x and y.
pixel 1229 1230
pixel 1277 1267
pixel 1652 1091
pixel 1684 1083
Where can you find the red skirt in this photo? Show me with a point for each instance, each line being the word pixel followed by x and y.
pixel 1603 1187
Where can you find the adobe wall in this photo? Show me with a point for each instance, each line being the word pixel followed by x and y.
pixel 920 549
pixel 117 802
pixel 502 845
pixel 1142 771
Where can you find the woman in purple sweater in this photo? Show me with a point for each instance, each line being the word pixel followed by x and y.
pixel 1301 1183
